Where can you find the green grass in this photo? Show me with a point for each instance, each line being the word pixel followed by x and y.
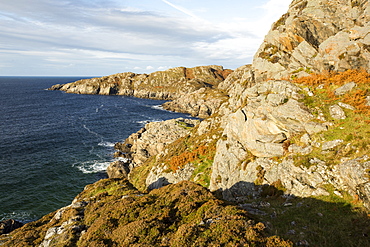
pixel 321 221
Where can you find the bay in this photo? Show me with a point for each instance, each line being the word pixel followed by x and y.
pixel 52 144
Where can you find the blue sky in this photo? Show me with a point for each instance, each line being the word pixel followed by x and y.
pixel 102 37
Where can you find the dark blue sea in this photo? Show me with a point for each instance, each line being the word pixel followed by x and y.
pixel 52 144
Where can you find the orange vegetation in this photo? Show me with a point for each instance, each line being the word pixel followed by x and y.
pixel 332 80
pixel 179 161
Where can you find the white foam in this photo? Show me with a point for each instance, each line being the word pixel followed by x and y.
pixel 106 144
pixel 158 107
pixel 143 122
pixel 93 166
pixel 122 159
pixel 19 216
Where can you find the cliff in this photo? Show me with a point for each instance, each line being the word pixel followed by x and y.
pixel 285 139
pixel 315 36
pixel 171 84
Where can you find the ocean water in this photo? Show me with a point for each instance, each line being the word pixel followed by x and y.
pixel 52 144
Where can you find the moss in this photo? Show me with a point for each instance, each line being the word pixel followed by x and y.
pixel 301 5
pixel 183 214
pixel 306 69
pixel 260 175
pixel 202 173
pixel 281 21
pixel 355 3
pixel 268 53
pixel 184 125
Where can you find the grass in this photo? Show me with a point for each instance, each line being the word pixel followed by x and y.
pixel 321 221
pixel 354 130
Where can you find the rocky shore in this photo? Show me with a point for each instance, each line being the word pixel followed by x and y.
pixel 161 85
pixel 280 158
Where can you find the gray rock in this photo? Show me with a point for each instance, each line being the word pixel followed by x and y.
pixel 159 176
pixel 276 99
pixel 313 37
pixel 330 145
pixel 347 106
pixel 118 169
pixel 345 88
pixel 337 112
pixel 153 139
pixel 306 139
pixel 300 150
pixel 313 127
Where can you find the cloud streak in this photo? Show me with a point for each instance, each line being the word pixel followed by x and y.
pixel 181 9
pixel 105 37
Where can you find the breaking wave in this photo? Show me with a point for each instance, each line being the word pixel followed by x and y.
pixel 92 166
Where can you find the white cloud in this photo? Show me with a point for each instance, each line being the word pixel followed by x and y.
pixel 181 9
pixel 107 36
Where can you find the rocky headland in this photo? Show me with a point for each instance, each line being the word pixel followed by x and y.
pixel 281 157
pixel 161 85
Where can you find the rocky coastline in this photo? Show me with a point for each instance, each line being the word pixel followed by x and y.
pixel 162 85
pixel 285 140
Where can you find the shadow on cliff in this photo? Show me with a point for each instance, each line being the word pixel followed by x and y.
pixel 331 220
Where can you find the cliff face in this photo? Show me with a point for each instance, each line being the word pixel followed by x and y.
pixel 281 120
pixel 175 83
pixel 315 36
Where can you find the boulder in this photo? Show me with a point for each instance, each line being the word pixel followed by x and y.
pixel 118 169
pixel 337 112
pixel 153 138
pixel 345 88
pixel 8 226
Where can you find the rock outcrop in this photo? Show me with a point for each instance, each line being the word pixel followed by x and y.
pixel 112 212
pixel 164 85
pixel 201 103
pixel 315 36
pixel 153 139
pixel 8 226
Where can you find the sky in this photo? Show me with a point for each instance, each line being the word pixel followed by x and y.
pixel 103 37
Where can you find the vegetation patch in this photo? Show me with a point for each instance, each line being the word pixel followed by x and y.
pixel 354 130
pixel 281 21
pixel 268 53
pixel 335 220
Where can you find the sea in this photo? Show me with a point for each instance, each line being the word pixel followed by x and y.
pixel 52 144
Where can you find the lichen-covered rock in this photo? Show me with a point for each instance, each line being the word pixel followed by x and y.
pixel 201 103
pixel 271 116
pixel 314 36
pixel 337 112
pixel 158 178
pixel 153 138
pixel 118 169
pixel 345 88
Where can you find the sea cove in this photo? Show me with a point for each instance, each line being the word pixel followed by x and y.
pixel 53 144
